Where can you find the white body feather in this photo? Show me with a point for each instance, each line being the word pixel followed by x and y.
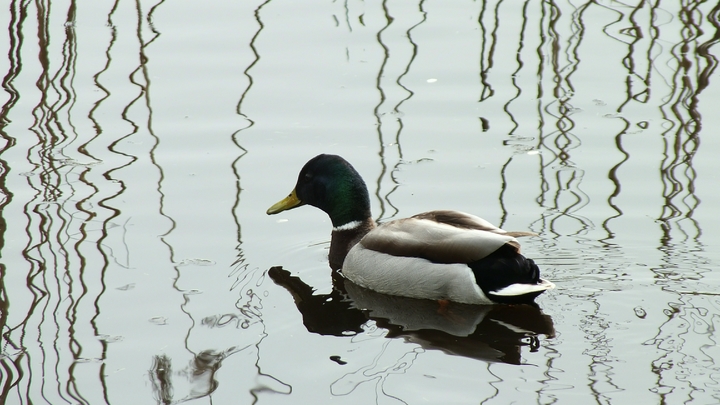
pixel 412 277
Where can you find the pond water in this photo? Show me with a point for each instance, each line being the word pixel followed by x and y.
pixel 142 142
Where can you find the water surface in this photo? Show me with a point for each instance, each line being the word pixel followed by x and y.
pixel 142 143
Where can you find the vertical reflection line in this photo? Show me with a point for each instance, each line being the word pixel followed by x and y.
pixel 413 55
pixel 690 79
pixel 544 183
pixel 388 135
pixel 642 97
pixel 506 108
pixel 561 140
pixel 376 110
pixel 17 17
pixel 9 376
pixel 65 79
pixel 102 202
pixel 239 266
pixel 247 70
pixel 703 50
pixel 613 177
pixel 629 61
pixel 113 148
pixel 486 57
pixel 393 112
pixel 18 14
pixel 40 250
pixel 113 213
pixel 142 71
pixel 513 80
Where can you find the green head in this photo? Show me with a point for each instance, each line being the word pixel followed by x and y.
pixel 330 183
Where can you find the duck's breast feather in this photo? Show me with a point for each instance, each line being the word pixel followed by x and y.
pixel 435 241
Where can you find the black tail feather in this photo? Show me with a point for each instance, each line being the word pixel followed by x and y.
pixel 505 267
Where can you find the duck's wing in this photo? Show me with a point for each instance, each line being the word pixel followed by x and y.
pixel 439 236
pixel 464 220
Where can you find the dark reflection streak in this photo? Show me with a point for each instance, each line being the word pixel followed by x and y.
pixel 62 83
pixel 487 90
pixel 101 203
pixel 347 19
pixel 563 140
pixel 252 64
pixel 47 138
pixel 563 123
pixel 503 188
pixel 685 142
pixel 254 392
pixel 18 15
pixel 544 183
pixel 703 50
pixel 66 83
pixel 115 213
pixel 506 108
pixel 629 62
pixel 62 271
pixel 7 374
pixel 513 76
pixel 46 223
pixel 145 94
pixel 496 390
pixel 96 80
pixel 407 68
pixel 376 110
pixel 573 207
pixel 239 267
pixel 612 175
pixel 37 251
pixel 396 109
pixel 572 50
pixel 553 16
pixel 595 324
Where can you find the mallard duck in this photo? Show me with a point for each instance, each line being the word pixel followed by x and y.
pixel 439 255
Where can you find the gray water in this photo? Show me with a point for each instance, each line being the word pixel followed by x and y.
pixel 141 144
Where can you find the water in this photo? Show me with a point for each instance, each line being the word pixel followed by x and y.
pixel 142 143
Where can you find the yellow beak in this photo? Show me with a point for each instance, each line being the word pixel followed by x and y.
pixel 291 201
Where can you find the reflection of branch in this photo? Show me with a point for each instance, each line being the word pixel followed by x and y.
pixel 486 56
pixel 17 16
pixel 240 268
pixel 683 141
pixel 394 94
pixel 252 64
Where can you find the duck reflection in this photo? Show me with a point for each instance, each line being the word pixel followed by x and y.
pixel 198 377
pixel 484 332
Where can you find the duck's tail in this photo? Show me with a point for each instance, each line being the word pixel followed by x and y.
pixel 508 277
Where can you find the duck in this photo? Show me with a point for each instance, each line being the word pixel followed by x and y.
pixel 441 255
